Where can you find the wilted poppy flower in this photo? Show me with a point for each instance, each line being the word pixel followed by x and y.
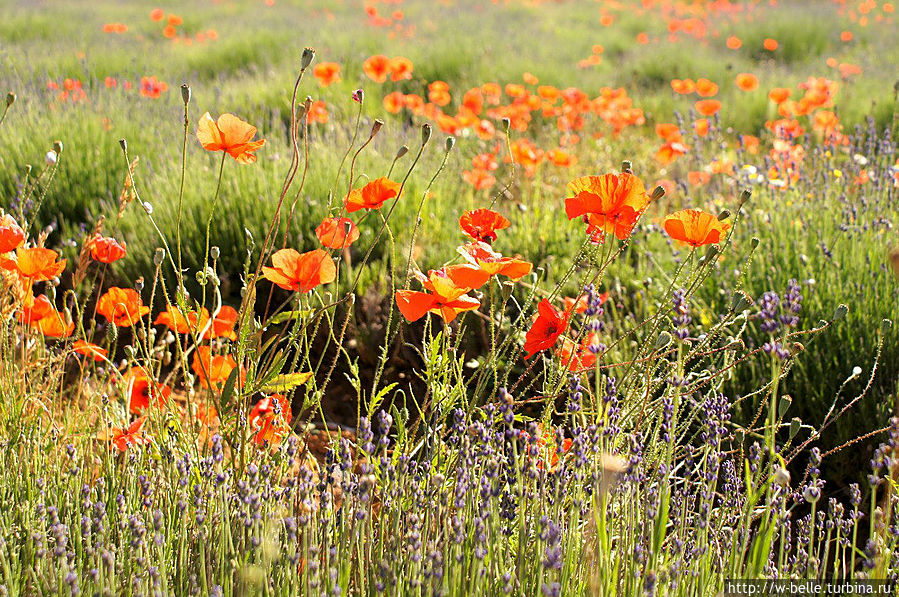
pixel 231 135
pixel 122 306
pixel 376 68
pixel 209 369
pixel 106 249
pixel 143 391
pixel 300 271
pixel 747 81
pixel 34 264
pixel 337 233
pixel 327 73
pixel 372 195
pixel 707 107
pixel 122 439
pixel 270 419
pixel 444 298
pixel 11 234
pixel 695 227
pixel 482 224
pixel 545 330
pixel 90 350
pixel 612 203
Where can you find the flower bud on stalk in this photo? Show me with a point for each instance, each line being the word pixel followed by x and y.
pixel 10 99
pixel 375 128
pixel 425 133
pixel 450 143
pixel 403 150
pixel 306 60
pixel 185 93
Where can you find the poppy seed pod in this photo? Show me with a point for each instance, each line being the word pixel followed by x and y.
pixel 403 150
pixel 375 128
pixel 781 477
pixel 425 133
pixel 123 143
pixel 507 124
pixel 745 196
pixel 306 60
pixel 711 253
pixel 10 99
pixel 840 312
pixel 723 215
pixel 784 405
pixel 112 334
pixel 57 147
pixel 450 143
pixel 754 242
pixel 301 112
pixel 627 167
pixel 158 256
pixel 795 425
pixel 657 193
pixel 185 93
pixel 214 252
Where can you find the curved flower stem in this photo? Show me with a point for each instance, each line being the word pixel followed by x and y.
pixel 215 199
pixel 180 272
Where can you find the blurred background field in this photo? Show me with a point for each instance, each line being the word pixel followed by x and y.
pixel 830 234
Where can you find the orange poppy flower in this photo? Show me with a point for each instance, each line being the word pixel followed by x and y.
pixel 770 44
pixel 54 325
pixel 668 131
pixel 300 271
pixel 34 264
pixel 372 195
pixel 444 297
pixel 376 68
pixel 707 107
pixel 318 112
pixel 90 350
pixel 577 357
pixel 438 92
pixel 157 14
pixel 231 135
pixel 270 418
pixel 327 73
pixel 492 263
pixel 35 308
pixel 394 102
pixel 701 126
pixel 11 234
pixel 122 306
pixel 733 42
pixel 611 202
pixel 482 224
pixel 479 179
pixel 581 304
pixel 143 391
pixel 106 249
pixel 747 81
pixel 211 369
pixel 683 87
pixel 337 233
pixel 223 324
pixel 779 95
pixel 695 227
pixel 546 329
pixel 706 88
pixel 670 151
pixel 122 439
pixel 400 68
pixel 698 178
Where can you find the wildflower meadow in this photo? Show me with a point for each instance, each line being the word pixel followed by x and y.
pixel 462 297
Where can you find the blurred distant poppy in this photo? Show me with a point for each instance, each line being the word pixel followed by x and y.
pixel 231 135
pixel 372 195
pixel 683 87
pixel 122 306
pixel 300 271
pixel 733 42
pixel 778 95
pixel 747 81
pixel 706 88
pixel 695 227
pixel 270 420
pixel 327 73
pixel 482 224
pixel 770 44
pixel 707 107
pixel 376 68
pixel 546 329
pixel 400 68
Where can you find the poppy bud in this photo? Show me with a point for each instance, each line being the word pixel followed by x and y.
pixel 723 215
pixel 123 143
pixel 301 112
pixel 663 340
pixel 754 242
pixel 627 167
pixel 740 302
pixel 57 147
pixel 507 124
pixel 10 99
pixel 50 158
pixel 158 256
pixel 710 253
pixel 129 351
pixel 403 150
pixel 745 196
pixel 657 193
pixel 375 128
pixel 359 96
pixel 781 476
pixel 425 133
pixel 141 335
pixel 840 312
pixel 306 60
pixel 795 425
pixel 139 284
pixel 112 333
pixel 214 252
pixel 185 93
pixel 784 405
pixel 450 143
pixel 55 281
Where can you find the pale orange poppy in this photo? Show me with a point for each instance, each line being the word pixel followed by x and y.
pixel 231 135
pixel 300 271
pixel 695 227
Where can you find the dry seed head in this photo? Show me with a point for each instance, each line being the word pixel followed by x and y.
pixel 627 167
pixel 657 193
pixel 403 150
pixel 57 147
pixel 10 99
pixel 450 143
pixel 306 60
pixel 425 133
pixel 185 93
pixel 375 128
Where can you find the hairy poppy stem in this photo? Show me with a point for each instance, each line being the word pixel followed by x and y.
pixel 180 272
pixel 215 199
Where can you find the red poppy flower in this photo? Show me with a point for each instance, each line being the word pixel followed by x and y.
pixel 545 330
pixel 482 224
pixel 223 324
pixel 270 419
pixel 706 88
pixel 779 95
pixel 34 264
pixel 122 306
pixel 695 227
pixel 300 271
pixel 11 234
pixel 35 308
pixel 143 391
pixel 106 249
pixel 707 107
pixel 231 135
pixel 733 42
pixel 372 195
pixel 376 68
pixel 492 263
pixel 327 73
pixel 122 439
pixel 612 203
pixel 577 357
pixel 400 68
pixel 337 233
pixel 581 304
pixel 211 369
pixel 90 350
pixel 444 297
pixel 747 81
